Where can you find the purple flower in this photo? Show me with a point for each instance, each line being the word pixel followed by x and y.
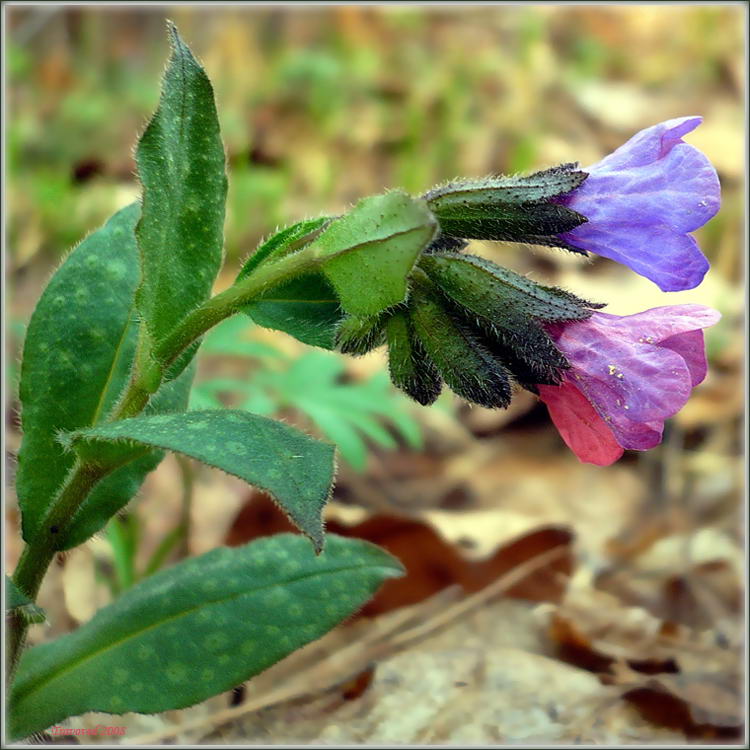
pixel 628 374
pixel 641 202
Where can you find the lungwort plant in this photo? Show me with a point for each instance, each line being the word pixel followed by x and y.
pixel 108 364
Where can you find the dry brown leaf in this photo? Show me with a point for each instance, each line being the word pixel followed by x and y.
pixel 677 677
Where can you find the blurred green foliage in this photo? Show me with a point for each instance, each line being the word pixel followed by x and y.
pixel 269 382
pixel 321 106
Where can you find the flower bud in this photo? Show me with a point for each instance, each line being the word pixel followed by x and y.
pixel 526 350
pixel 515 209
pixel 411 369
pixel 497 294
pixel 464 363
pixel 505 312
pixel 358 336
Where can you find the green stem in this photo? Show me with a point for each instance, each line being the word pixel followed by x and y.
pixel 179 537
pixel 37 555
pixel 146 380
pixel 231 301
pixel 186 507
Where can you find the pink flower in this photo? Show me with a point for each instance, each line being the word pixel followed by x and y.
pixel 628 375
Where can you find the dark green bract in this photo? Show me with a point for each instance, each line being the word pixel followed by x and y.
pixel 515 209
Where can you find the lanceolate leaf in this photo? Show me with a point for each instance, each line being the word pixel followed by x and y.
pixel 78 351
pixel 197 629
pixel 369 253
pixel 181 164
pixel 295 469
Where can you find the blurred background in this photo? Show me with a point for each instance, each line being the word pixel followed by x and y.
pixel 322 106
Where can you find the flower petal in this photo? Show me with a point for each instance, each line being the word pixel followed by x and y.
pixel 657 324
pixel 681 191
pixel 673 261
pixel 634 435
pixel 650 144
pixel 691 347
pixel 620 374
pixel 582 429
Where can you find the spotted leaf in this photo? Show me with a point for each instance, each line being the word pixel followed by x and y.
pixel 294 468
pixel 181 165
pixel 197 629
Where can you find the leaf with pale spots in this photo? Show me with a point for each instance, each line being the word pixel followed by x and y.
pixel 77 356
pixel 197 629
pixel 296 470
pixel 181 165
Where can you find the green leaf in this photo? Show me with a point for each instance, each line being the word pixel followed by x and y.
pixel 116 490
pixel 197 629
pixel 16 602
pixel 181 165
pixel 369 253
pixel 294 469
pixel 78 351
pixel 305 307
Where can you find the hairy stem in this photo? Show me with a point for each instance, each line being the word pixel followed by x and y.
pixel 186 471
pixel 37 555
